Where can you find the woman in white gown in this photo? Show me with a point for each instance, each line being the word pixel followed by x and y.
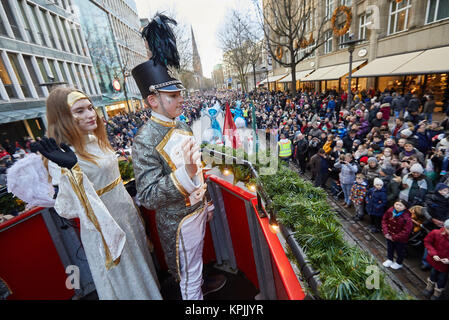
pixel 91 189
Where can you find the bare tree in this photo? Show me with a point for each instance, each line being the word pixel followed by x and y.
pixel 289 27
pixel 240 44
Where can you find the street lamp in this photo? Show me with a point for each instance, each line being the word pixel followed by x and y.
pixel 351 44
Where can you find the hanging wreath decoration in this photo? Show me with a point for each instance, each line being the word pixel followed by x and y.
pixel 305 43
pixel 347 12
pixel 295 44
pixel 279 52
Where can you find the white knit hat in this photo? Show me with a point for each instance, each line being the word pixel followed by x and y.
pixel 378 181
pixel 446 224
pixel 406 132
pixel 417 168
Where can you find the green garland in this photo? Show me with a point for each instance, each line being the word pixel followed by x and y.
pixel 343 268
pixel 9 204
pixel 126 169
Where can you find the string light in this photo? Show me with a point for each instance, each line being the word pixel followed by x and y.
pixel 273 224
pixel 251 187
pixel 226 171
pixel 274 227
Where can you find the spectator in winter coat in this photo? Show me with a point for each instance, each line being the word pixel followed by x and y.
pixel 437 205
pixel 349 139
pixel 378 120
pixel 437 245
pixel 301 148
pixel 376 201
pixel 429 105
pixel 371 171
pixel 424 142
pixel 415 186
pixel 410 150
pixel 413 104
pixel 320 168
pixel 396 226
pixel 385 109
pixel 348 170
pixel 392 183
pixel 398 104
pixel 358 193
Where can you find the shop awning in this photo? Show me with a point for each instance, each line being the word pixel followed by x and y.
pixel 385 66
pixel 429 61
pixel 273 78
pixel 299 76
pixel 18 115
pixel 332 72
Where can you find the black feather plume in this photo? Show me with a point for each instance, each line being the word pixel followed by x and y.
pixel 162 41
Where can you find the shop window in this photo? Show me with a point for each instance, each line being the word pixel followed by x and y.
pixel 64 75
pixel 33 16
pixel 33 75
pixel 40 63
pixel 329 9
pixel 26 22
pixel 343 39
pixel 64 28
pixel 437 10
pixel 6 79
pixel 328 37
pixel 58 32
pixel 364 31
pixel 11 19
pixel 3 29
pixel 398 18
pixel 19 74
pixel 75 83
pixel 47 25
pixel 51 63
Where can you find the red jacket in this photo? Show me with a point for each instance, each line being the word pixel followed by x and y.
pixel 398 228
pixel 437 244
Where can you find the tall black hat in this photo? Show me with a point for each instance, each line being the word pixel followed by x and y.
pixel 153 75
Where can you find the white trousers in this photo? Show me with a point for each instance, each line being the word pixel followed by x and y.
pixel 190 244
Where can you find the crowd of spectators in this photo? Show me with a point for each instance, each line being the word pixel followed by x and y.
pixel 382 153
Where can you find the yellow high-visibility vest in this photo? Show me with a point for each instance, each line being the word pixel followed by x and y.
pixel 285 149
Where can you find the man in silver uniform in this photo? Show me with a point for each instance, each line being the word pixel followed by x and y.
pixel 167 167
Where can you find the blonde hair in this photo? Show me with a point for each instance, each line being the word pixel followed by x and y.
pixel 63 128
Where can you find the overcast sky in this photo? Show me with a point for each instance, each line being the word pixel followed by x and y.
pixel 205 16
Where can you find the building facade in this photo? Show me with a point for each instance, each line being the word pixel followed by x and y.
pixel 40 42
pixel 113 34
pixel 396 34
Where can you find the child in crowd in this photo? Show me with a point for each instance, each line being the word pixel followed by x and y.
pixel 396 226
pixel 437 245
pixel 376 200
pixel 358 193
pixel 348 170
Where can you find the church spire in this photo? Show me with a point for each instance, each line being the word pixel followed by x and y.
pixel 197 68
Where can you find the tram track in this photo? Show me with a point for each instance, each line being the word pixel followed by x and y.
pixel 405 279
